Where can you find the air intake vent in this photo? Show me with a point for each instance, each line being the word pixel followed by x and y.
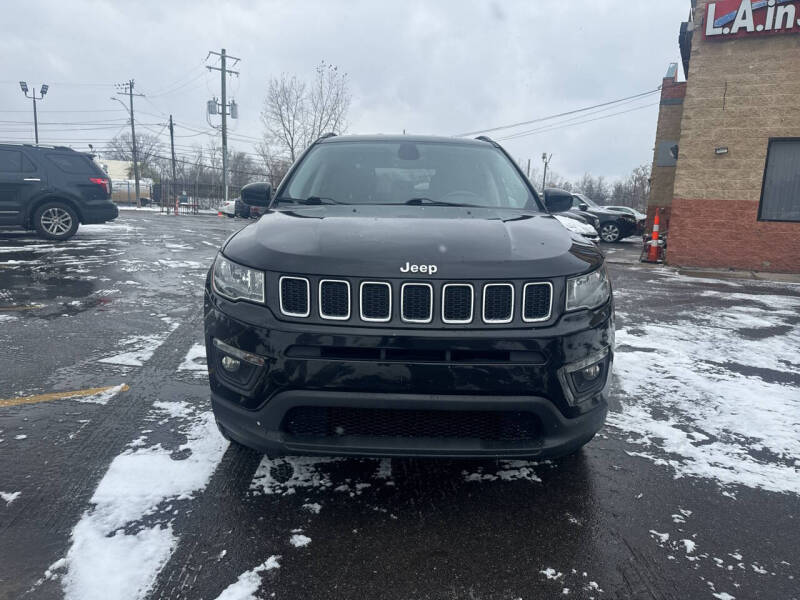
pixel 334 299
pixel 417 302
pixel 498 303
pixel 376 301
pixel 457 303
pixel 294 296
pixel 538 302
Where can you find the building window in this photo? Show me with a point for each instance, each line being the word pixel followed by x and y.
pixel 780 195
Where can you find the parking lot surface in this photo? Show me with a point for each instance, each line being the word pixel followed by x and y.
pixel 114 482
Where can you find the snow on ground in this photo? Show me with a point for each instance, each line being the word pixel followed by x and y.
pixel 7 318
pixel 703 392
pixel 9 497
pixel 507 470
pixel 195 360
pixel 298 540
pixel 113 553
pixel 140 347
pixel 101 397
pixel 248 582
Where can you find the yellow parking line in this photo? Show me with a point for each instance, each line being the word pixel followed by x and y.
pixel 14 308
pixel 59 396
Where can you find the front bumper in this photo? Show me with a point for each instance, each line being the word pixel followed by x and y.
pixel 443 372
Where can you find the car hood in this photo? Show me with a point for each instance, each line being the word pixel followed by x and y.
pixel 377 241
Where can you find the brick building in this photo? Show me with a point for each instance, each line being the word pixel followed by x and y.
pixel 726 166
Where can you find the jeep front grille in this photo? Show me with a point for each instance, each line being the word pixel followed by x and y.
pixel 498 303
pixel 294 297
pixel 457 303
pixel 538 302
pixel 334 299
pixel 376 301
pixel 481 304
pixel 416 302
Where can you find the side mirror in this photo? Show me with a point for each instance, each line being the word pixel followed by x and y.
pixel 557 203
pixel 583 206
pixel 257 194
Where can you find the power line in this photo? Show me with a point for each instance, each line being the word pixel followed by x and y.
pixel 557 116
pixel 564 126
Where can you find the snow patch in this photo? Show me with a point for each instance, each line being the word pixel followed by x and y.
pixel 107 559
pixel 248 582
pixel 298 540
pixel 195 360
pixel 9 497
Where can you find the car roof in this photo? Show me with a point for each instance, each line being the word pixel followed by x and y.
pixel 430 139
pixel 39 147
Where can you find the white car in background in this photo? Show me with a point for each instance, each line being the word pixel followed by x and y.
pixel 228 208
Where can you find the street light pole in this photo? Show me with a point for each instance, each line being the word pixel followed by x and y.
pixel 546 161
pixel 42 90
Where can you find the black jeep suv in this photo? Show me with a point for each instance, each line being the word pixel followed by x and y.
pixel 408 296
pixel 52 190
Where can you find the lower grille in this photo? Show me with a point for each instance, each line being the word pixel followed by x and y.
pixel 314 421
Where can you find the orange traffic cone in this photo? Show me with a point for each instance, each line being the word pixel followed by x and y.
pixel 652 251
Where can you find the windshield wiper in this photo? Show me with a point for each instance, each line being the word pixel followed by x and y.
pixel 311 200
pixel 430 202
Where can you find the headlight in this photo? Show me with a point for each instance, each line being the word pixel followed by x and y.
pixel 588 291
pixel 236 282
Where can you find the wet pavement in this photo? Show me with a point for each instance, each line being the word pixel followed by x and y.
pixel 115 484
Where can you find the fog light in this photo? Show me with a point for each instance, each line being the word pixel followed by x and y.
pixel 592 373
pixel 230 364
pixel 581 380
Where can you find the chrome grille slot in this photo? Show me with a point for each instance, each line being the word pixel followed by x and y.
pixel 295 296
pixel 334 299
pixel 537 302
pixel 498 303
pixel 416 302
pixel 458 301
pixel 376 301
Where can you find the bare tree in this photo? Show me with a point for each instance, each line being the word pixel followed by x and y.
pixel 328 102
pixel 275 166
pixel 148 148
pixel 295 114
pixel 285 114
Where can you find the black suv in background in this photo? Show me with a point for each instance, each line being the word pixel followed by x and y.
pixel 52 190
pixel 408 296
pixel 612 225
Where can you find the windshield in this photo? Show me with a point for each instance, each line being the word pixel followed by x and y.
pixel 419 173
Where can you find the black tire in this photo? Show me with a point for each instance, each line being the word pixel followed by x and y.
pixel 55 220
pixel 230 216
pixel 610 232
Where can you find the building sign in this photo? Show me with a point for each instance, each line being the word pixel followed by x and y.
pixel 727 19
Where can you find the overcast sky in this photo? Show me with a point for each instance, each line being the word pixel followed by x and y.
pixel 439 67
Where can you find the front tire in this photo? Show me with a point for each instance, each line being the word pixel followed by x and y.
pixel 55 221
pixel 609 232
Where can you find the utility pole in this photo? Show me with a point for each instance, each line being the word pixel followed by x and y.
pixel 223 70
pixel 172 148
pixel 126 89
pixel 43 90
pixel 546 160
pixel 528 172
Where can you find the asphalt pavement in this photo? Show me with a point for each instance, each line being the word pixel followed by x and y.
pixel 115 484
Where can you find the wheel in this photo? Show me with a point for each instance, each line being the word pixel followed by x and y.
pixel 229 215
pixel 55 221
pixel 609 232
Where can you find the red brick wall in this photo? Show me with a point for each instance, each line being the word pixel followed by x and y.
pixel 672 89
pixel 727 233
